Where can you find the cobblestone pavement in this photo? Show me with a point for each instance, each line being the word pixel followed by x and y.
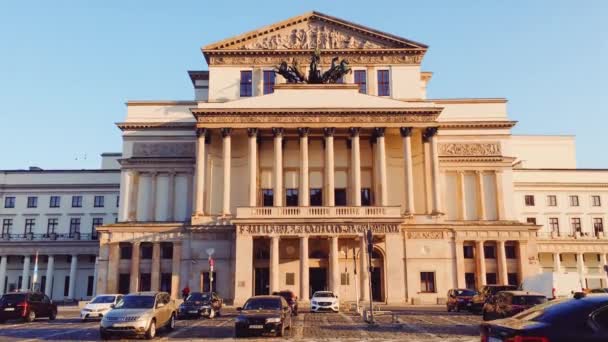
pixel 415 324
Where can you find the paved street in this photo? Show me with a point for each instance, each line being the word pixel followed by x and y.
pixel 416 324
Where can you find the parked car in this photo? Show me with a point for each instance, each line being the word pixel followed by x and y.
pixel 563 320
pixel 291 299
pixel 139 314
pixel 460 299
pixel 509 303
pixel 553 285
pixel 324 301
pixel 600 290
pixel 263 314
pixel 99 306
pixel 486 293
pixel 26 306
pixel 201 304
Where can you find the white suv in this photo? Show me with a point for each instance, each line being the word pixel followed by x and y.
pixel 99 306
pixel 324 301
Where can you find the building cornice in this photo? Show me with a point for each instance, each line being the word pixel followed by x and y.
pixel 160 103
pixel 468 100
pixel 476 124
pixel 173 126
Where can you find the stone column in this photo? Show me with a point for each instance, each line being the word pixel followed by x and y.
pixel 274 264
pixel 73 269
pixel 226 151
pixel 460 279
pixel 500 207
pixel 304 270
pixel 557 263
pixel 503 272
pixel 50 268
pixel 304 192
pixel 132 195
pixel 428 179
pixel 155 274
pixel 26 272
pixel 186 262
pixel 113 260
pixel 3 261
pixel 355 158
pixel 406 134
pixel 364 274
pixel 95 276
pixel 334 268
pixel 431 135
pixel 278 167
pixel 171 197
pixel 125 190
pixel 380 145
pixel 199 175
pixel 462 208
pixel 135 252
pixel 253 165
pixel 329 167
pixel 371 81
pixel 176 261
pixel 102 266
pixel 580 268
pixel 481 196
pixel 522 258
pixel 152 199
pixel 481 264
pixel 243 273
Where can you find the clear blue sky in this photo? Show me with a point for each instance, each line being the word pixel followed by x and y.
pixel 67 67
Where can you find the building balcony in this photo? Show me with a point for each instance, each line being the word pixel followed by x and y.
pixel 48 237
pixel 572 236
pixel 317 212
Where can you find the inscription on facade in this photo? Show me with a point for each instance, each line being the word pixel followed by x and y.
pixel 183 149
pixel 469 149
pixel 432 235
pixel 329 229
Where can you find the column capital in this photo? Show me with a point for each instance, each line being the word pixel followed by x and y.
pixel 405 131
pixel 277 132
pixel 201 132
pixel 303 131
pixel 252 132
pixel 379 131
pixel 429 132
pixel 479 172
pixel 354 131
pixel 329 131
pixel 226 131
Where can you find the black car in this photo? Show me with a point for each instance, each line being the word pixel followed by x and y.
pixel 582 319
pixel 487 292
pixel 509 303
pixel 291 299
pixel 26 306
pixel 262 315
pixel 197 304
pixel 459 299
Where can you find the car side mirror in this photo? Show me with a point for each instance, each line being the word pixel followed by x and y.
pixel 239 309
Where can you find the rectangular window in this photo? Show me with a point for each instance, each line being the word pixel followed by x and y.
pixel 29 225
pixel 361 80
pixel 552 201
pixel 32 202
pixel 246 84
pixel 366 197
pixel 469 280
pixel 340 197
pixel 489 252
pixel 98 201
pixel 491 278
pixel 468 251
pixel 206 282
pixel 344 279
pixel 97 221
pixel 52 225
pixel 554 224
pixel 165 282
pixel 316 197
pixel 269 76
pixel 146 250
pixel 54 202
pixel 291 197
pixel 9 202
pixel 74 226
pixel 90 280
pixel 576 224
pixel 596 201
pixel 531 220
pixel 7 225
pixel 290 278
pixel 529 200
pixel 76 201
pixel 574 201
pixel 512 279
pixel 510 252
pixel 126 251
pixel 384 88
pixel 427 282
pixel 267 197
pixel 124 283
pixel 166 250
pixel 598 225
pixel 66 286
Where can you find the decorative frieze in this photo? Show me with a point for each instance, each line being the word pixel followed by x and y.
pixel 355 59
pixel 469 149
pixel 316 229
pixel 165 149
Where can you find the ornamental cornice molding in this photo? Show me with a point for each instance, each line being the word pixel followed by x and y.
pixel 451 149
pixel 174 126
pixel 476 124
pixel 302 57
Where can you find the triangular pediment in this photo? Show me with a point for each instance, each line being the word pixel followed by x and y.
pixel 311 31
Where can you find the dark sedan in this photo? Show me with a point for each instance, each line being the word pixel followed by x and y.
pixel 201 304
pixel 26 306
pixel 291 299
pixel 459 299
pixel 509 303
pixel 263 315
pixel 564 320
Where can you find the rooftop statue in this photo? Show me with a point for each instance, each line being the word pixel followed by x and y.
pixel 333 75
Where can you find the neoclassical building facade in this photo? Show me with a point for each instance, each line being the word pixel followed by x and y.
pixel 277 182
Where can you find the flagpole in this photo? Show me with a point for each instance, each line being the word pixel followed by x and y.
pixel 35 277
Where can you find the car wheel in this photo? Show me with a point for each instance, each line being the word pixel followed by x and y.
pixel 53 315
pixel 240 333
pixel 171 324
pixel 281 331
pixel 218 313
pixel 31 316
pixel 448 307
pixel 151 332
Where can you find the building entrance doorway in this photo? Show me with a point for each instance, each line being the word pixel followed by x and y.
pixel 377 276
pixel 318 280
pixel 262 281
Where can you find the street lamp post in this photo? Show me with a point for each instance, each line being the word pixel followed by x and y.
pixel 210 252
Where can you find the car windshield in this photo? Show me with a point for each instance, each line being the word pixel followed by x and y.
pixel 263 304
pixel 136 302
pixel 464 292
pixel 528 300
pixel 323 294
pixel 12 298
pixel 198 297
pixel 103 300
pixel 560 311
pixel 496 289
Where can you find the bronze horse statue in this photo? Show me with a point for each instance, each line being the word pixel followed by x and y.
pixel 334 74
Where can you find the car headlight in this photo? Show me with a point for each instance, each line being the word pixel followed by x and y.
pixel 314 302
pixel 273 320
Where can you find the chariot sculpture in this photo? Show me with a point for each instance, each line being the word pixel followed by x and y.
pixel 334 74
